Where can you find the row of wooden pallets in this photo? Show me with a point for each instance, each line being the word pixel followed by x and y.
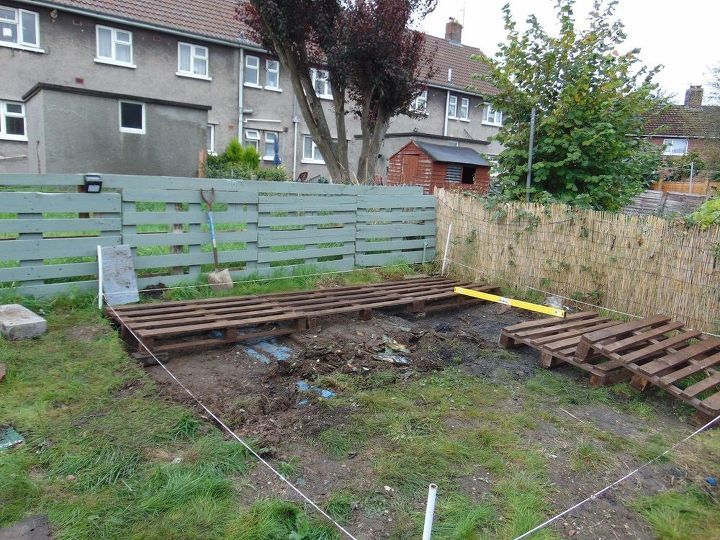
pixel 192 324
pixel 651 351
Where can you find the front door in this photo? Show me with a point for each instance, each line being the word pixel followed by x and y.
pixel 409 171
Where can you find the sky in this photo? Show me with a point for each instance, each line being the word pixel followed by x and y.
pixel 680 35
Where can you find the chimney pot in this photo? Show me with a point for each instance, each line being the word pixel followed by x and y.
pixel 694 96
pixel 453 31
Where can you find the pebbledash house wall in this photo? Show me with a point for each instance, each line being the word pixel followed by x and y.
pixel 68 42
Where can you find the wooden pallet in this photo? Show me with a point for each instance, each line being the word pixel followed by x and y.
pixel 173 326
pixel 558 339
pixel 666 354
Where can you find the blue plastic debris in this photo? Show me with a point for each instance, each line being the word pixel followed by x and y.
pixel 711 481
pixel 273 348
pixel 9 438
pixel 303 386
pixel 217 334
pixel 257 355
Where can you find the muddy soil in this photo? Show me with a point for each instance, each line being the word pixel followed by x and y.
pixel 271 391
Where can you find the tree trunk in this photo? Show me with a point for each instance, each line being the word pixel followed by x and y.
pixel 373 134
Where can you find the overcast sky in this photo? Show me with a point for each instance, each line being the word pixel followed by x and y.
pixel 682 35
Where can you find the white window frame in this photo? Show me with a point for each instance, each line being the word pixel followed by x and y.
pixel 21 43
pixel 668 146
pixel 326 80
pixel 252 138
pixel 497 116
pixel 211 138
pixel 194 50
pixel 315 151
pixel 137 131
pixel 419 104
pixel 266 156
pixel 112 60
pixel 452 106
pixel 464 110
pixel 256 68
pixel 276 71
pixel 4 113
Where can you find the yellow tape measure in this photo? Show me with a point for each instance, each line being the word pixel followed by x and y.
pixel 511 302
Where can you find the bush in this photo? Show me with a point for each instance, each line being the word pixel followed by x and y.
pixel 679 168
pixel 708 214
pixel 241 163
pixel 274 174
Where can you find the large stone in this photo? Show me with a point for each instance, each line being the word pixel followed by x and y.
pixel 18 322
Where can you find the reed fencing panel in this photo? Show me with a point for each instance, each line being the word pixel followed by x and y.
pixel 49 232
pixel 642 265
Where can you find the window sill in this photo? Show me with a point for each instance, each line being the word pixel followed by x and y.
pixel 19 47
pixel 675 155
pixel 312 162
pixel 114 63
pixel 273 89
pixel 325 96
pixel 16 138
pixel 253 85
pixel 193 76
pixel 491 124
pixel 132 131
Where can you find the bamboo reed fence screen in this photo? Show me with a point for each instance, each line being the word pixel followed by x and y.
pixel 642 265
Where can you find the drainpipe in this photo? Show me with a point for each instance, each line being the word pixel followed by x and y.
pixel 447 107
pixel 295 121
pixel 241 82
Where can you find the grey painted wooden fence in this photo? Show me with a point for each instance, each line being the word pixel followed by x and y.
pixel 49 232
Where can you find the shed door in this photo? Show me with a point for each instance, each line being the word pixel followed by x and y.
pixel 410 163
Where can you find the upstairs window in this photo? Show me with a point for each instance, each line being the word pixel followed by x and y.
pixel 272 74
pixel 419 104
pixel 132 117
pixel 311 153
pixel 271 137
pixel 193 60
pixel 675 147
pixel 19 28
pixel 114 46
pixel 452 107
pixel 464 112
pixel 492 117
pixel 321 83
pixel 252 71
pixel 12 121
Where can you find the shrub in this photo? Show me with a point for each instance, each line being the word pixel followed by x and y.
pixel 708 214
pixel 275 174
pixel 233 152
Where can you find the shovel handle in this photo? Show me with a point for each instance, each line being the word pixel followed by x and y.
pixel 208 199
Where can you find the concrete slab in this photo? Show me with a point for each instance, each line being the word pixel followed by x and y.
pixel 32 528
pixel 18 322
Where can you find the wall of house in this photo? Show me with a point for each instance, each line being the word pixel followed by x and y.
pixel 69 42
pixel 707 149
pixel 75 128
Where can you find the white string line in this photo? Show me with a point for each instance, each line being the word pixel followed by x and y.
pixel 477 270
pixel 618 481
pixel 226 428
pixel 150 288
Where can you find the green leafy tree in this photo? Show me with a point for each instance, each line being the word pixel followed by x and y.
pixel 590 99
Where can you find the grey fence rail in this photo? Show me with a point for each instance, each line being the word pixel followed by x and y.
pixel 49 231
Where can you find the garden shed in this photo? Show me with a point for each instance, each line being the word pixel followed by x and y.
pixel 433 165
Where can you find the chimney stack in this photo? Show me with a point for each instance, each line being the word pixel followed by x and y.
pixel 694 97
pixel 453 31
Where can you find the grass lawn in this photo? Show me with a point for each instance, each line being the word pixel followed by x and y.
pixel 106 456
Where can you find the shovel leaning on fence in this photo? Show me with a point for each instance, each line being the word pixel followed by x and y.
pixel 218 279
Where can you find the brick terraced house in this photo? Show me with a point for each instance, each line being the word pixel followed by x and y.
pixel 142 87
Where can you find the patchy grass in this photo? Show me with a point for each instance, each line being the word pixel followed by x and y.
pixel 681 515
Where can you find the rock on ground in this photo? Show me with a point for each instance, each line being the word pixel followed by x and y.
pixel 18 322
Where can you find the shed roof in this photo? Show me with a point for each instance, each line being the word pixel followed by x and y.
pixel 453 154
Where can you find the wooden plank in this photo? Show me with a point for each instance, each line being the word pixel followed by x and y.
pixel 655 348
pixel 416 215
pixel 265 220
pixel 548 321
pixel 37 180
pixel 417 201
pixel 394 231
pixel 561 326
pixel 394 245
pixel 270 256
pixel 307 207
pixel 266 238
pixel 563 340
pixel 182 239
pixel 31 202
pixel 702 386
pixel 625 328
pixel 382 259
pixel 298 202
pixel 171 217
pixel 695 367
pixel 13 250
pixel 712 403
pixel 49 271
pixel 186 196
pixel 683 355
pixel 187 259
pixel 639 338
pixel 47 225
pixel 56 289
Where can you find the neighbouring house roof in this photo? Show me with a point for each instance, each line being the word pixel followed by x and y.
pixel 452 154
pixel 215 19
pixel 687 122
